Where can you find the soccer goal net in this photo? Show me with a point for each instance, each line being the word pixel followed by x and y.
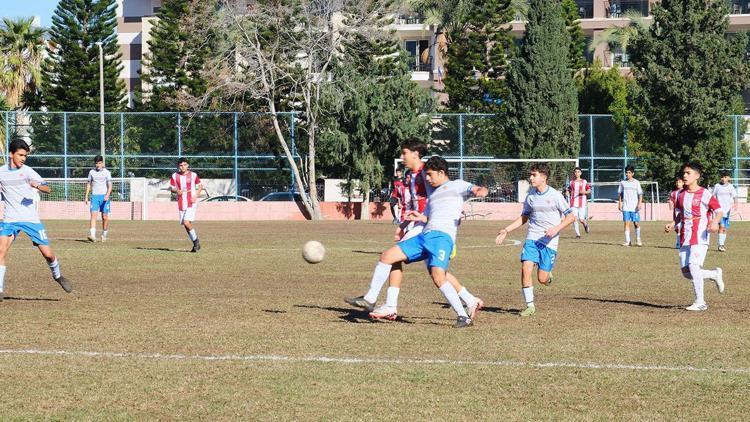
pixel 608 192
pixel 507 179
pixel 128 200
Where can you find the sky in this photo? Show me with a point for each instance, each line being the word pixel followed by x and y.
pixel 27 8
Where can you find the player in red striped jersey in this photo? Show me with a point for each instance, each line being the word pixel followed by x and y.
pixel 187 185
pixel 699 213
pixel 678 185
pixel 578 188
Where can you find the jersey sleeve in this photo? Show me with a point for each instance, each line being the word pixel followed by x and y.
pixel 713 204
pixel 526 207
pixel 734 193
pixel 620 188
pixel 173 181
pixel 562 205
pixel 197 179
pixel 32 175
pixel 640 189
pixel 464 188
pixel 109 176
pixel 90 177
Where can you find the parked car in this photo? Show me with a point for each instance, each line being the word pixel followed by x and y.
pixel 282 196
pixel 227 198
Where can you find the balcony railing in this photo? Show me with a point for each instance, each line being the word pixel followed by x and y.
pixel 738 7
pixel 618 8
pixel 420 67
pixel 409 20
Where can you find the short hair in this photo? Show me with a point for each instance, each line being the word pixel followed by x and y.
pixel 724 173
pixel 696 166
pixel 98 159
pixel 630 169
pixel 577 168
pixel 541 168
pixel 436 163
pixel 17 144
pixel 182 160
pixel 416 145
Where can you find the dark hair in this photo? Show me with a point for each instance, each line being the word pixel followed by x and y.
pixel 17 144
pixel 724 173
pixel 436 163
pixel 693 165
pixel 415 145
pixel 181 160
pixel 98 158
pixel 630 169
pixel 577 168
pixel 541 168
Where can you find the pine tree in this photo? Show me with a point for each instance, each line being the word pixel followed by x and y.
pixel 577 37
pixel 542 117
pixel 70 80
pixel 690 72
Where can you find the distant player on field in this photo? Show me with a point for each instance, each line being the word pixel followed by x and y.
pixel 396 199
pixel 678 185
pixel 578 189
pixel 726 193
pixel 696 206
pixel 17 182
pixel 629 202
pixel 187 185
pixel 435 243
pixel 100 187
pixel 544 209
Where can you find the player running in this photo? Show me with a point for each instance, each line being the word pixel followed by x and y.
pixel 695 205
pixel 678 185
pixel 629 202
pixel 100 187
pixel 543 209
pixel 578 189
pixel 187 185
pixel 726 194
pixel 17 182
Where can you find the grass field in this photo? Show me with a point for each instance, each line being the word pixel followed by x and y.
pixel 246 329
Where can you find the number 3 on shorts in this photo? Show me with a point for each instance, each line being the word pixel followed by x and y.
pixel 441 255
pixel 43 234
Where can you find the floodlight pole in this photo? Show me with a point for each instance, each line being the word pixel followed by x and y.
pixel 101 98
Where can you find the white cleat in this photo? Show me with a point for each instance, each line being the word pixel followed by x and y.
pixel 626 244
pixel 638 243
pixel 719 280
pixel 697 307
pixel 104 239
pixel 91 238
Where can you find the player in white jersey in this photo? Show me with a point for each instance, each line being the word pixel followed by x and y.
pixel 578 189
pixel 435 243
pixel 726 193
pixel 696 208
pixel 187 185
pixel 629 202
pixel 547 213
pixel 100 187
pixel 17 182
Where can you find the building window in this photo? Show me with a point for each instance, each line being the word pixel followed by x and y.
pixel 419 55
pixel 585 8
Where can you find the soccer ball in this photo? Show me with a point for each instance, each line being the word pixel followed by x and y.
pixel 313 252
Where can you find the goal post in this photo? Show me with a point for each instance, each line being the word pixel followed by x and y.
pixel 608 192
pixel 129 198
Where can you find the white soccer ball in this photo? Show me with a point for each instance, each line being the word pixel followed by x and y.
pixel 313 252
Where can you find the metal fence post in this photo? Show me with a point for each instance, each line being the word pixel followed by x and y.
pixel 736 149
pixel 625 140
pixel 122 153
pixel 65 154
pixel 236 160
pixel 294 146
pixel 591 154
pixel 7 136
pixel 461 146
pixel 179 134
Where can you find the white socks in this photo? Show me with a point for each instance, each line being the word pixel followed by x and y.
pixel 105 233
pixel 2 277
pixel 452 296
pixel 722 239
pixel 54 266
pixel 575 226
pixel 710 274
pixel 697 274
pixel 528 294
pixel 638 234
pixel 193 235
pixel 391 297
pixel 627 236
pixel 379 277
pixel 467 297
pixel 92 232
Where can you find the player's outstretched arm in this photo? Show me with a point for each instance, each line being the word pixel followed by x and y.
pixel 416 216
pixel 41 187
pixel 518 222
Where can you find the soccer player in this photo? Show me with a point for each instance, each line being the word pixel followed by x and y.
pixel 100 187
pixel 577 190
pixel 629 202
pixel 435 243
pixel 678 185
pixel 18 182
pixel 397 197
pixel 726 193
pixel 543 209
pixel 187 185
pixel 695 205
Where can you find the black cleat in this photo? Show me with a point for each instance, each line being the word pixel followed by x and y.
pixel 463 322
pixel 361 302
pixel 65 284
pixel 196 246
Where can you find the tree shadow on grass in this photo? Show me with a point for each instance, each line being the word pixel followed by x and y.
pixel 493 309
pixel 356 316
pixel 629 302
pixel 21 298
pixel 161 249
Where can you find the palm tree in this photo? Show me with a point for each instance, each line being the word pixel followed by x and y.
pixel 22 48
pixel 446 16
pixel 618 38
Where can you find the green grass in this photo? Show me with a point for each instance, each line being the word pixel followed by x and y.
pixel 249 293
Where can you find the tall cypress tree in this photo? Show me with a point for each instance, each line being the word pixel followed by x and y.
pixel 577 37
pixel 542 117
pixel 691 73
pixel 70 80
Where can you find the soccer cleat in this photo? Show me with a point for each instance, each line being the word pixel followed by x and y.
pixel 384 312
pixel 360 302
pixel 586 228
pixel 2 296
pixel 638 243
pixel 64 283
pixel 578 236
pixel 626 244
pixel 104 238
pixel 474 310
pixel 529 311
pixel 719 280
pixel 463 322
pixel 722 248
pixel 91 238
pixel 196 246
pixel 697 307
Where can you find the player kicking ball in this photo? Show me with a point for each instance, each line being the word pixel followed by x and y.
pixel 100 187
pixel 435 243
pixel 18 182
pixel 543 209
pixel 187 185
pixel 695 205
pixel 629 202
pixel 726 194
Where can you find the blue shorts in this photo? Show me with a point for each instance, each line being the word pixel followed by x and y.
pixel 538 253
pixel 98 204
pixel 631 216
pixel 725 222
pixel 434 246
pixel 35 231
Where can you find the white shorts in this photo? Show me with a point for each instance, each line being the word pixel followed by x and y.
pixel 694 254
pixel 412 229
pixel 581 213
pixel 188 214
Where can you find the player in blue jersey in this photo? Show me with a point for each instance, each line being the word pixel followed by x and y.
pixel 18 183
pixel 544 209
pixel 435 243
pixel 100 187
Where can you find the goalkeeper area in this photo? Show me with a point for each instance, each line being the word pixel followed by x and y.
pixel 152 331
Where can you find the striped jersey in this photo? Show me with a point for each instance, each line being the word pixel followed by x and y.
pixel 99 180
pixel 630 190
pixel 187 183
pixel 675 212
pixel 18 195
pixel 695 210
pixel 544 210
pixel 418 189
pixel 577 189
pixel 726 195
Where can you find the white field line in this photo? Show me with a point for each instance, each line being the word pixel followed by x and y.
pixel 377 361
